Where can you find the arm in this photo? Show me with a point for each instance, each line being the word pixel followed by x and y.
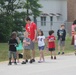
pixel 35 28
pixel 35 34
pixel 58 33
pixel 26 42
pixel 65 33
pixel 46 42
pixel 51 40
pixel 18 40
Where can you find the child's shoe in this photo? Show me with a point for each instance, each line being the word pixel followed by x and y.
pixel 31 61
pixel 62 53
pixel 24 62
pixel 9 63
pixel 39 61
pixel 58 53
pixel 51 57
pixel 18 61
pixel 15 63
pixel 55 57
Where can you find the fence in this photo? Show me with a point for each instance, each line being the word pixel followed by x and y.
pixel 46 26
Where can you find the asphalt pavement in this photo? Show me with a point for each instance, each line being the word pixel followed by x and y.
pixel 63 65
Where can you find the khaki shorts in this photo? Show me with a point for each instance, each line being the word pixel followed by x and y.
pixel 26 54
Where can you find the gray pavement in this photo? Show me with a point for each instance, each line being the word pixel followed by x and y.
pixel 64 65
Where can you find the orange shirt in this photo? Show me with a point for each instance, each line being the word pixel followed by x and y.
pixel 30 28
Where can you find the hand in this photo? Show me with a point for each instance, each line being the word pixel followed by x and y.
pixel 24 41
pixel 33 40
pixel 25 44
pixel 49 40
pixel 47 49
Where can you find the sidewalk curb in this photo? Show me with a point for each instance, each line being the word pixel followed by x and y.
pixel 38 57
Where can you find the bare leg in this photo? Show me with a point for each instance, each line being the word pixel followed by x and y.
pixel 13 60
pixel 40 55
pixel 33 54
pixel 58 50
pixel 43 56
pixel 51 55
pixel 63 48
pixel 54 53
pixel 17 56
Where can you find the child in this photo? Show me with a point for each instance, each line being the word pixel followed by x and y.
pixel 12 48
pixel 26 46
pixel 61 33
pixel 19 47
pixel 41 45
pixel 51 44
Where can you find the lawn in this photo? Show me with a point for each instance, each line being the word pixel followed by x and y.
pixel 4 50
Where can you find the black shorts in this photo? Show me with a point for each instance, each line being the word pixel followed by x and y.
pixel 51 49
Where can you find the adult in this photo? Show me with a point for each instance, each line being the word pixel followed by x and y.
pixel 61 33
pixel 31 29
pixel 73 28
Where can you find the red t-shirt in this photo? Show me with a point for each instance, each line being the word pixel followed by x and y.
pixel 51 44
pixel 30 28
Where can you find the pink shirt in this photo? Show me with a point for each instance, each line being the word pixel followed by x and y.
pixel 73 26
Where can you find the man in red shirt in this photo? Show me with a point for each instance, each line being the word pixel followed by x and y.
pixel 31 29
pixel 51 44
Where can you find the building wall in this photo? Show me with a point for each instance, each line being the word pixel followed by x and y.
pixel 53 6
pixel 71 8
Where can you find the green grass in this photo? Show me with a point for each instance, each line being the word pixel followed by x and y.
pixel 4 49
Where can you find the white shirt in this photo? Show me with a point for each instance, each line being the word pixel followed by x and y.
pixel 41 40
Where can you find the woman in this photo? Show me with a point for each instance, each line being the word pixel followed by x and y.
pixel 73 28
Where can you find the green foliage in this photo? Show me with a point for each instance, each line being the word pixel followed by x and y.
pixel 13 20
pixel 4 50
pixel 33 6
pixel 10 19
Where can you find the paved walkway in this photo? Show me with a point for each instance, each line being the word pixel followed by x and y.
pixel 64 65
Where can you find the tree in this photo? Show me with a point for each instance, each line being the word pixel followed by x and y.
pixel 33 6
pixel 9 19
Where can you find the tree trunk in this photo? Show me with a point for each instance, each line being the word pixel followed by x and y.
pixel 27 9
pixel 35 20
